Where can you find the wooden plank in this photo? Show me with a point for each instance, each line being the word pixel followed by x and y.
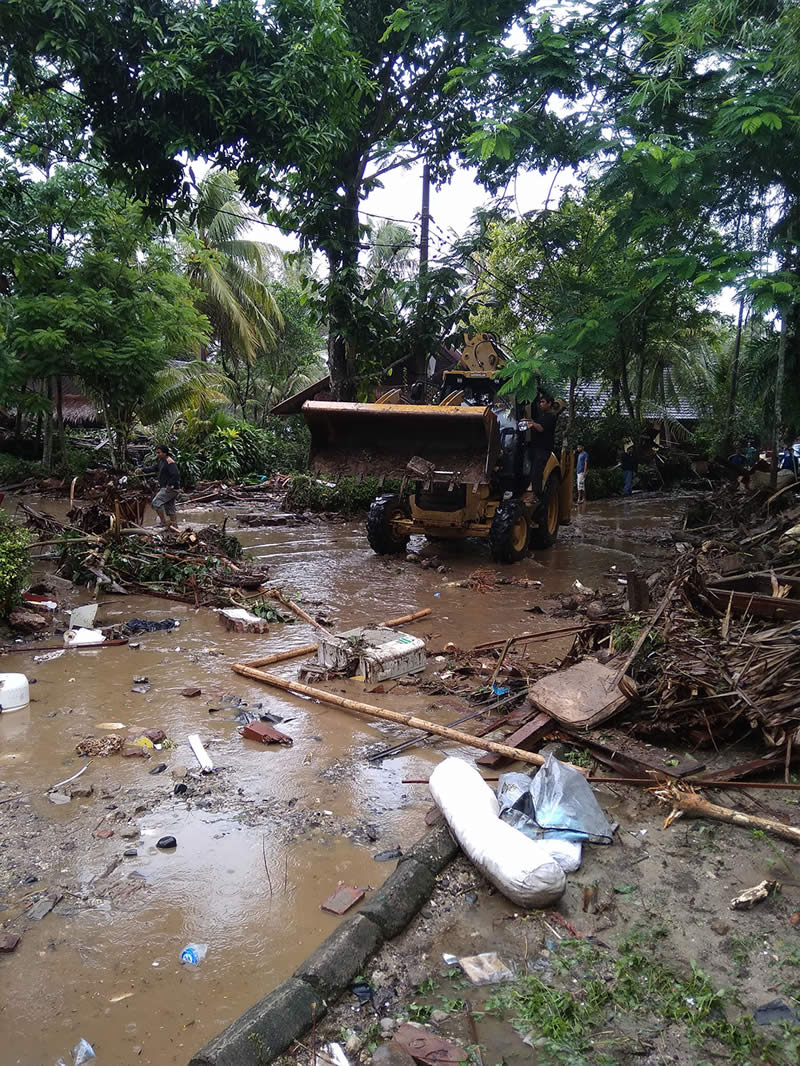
pixel 638 761
pixel 733 773
pixel 526 737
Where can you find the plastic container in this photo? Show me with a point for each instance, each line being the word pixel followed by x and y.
pixel 193 954
pixel 14 692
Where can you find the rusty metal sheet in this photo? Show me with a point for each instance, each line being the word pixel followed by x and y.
pixel 379 440
pixel 264 733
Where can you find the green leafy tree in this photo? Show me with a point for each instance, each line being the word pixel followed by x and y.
pixel 310 101
pixel 15 562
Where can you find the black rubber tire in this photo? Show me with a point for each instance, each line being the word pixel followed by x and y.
pixel 545 533
pixel 380 534
pixel 508 539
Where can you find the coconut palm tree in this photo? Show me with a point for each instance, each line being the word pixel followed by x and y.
pixel 231 270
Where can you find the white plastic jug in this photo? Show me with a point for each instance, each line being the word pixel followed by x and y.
pixel 14 692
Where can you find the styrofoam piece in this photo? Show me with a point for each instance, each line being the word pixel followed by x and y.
pixel 14 692
pixel 83 636
pixel 202 756
pixel 83 617
pixel 382 653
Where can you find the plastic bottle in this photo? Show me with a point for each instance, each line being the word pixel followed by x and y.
pixel 193 954
pixel 82 1053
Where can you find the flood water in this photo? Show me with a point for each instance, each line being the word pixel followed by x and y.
pixel 251 867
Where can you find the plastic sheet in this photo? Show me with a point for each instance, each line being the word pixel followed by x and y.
pixel 557 802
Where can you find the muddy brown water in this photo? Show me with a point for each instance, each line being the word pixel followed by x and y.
pixel 105 964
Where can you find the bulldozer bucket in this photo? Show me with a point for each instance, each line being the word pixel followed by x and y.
pixel 367 439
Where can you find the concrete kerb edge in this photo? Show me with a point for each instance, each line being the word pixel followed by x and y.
pixel 269 1027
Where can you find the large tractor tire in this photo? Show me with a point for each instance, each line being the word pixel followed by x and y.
pixel 509 532
pixel 545 533
pixel 381 533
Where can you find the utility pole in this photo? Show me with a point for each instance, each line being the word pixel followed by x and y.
pixel 424 230
pixel 421 353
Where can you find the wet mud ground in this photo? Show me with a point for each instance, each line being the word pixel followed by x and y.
pixel 268 836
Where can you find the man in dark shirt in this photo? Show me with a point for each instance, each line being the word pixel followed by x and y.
pixel 169 485
pixel 629 465
pixel 543 437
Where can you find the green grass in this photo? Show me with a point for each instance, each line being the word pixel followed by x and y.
pixel 575 1020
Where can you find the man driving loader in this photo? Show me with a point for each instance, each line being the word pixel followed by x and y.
pixel 543 435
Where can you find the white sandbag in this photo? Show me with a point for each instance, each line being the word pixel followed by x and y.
pixel 524 870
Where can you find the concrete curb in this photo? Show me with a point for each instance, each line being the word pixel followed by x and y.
pixel 268 1028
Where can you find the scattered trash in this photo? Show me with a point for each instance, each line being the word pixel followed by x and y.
pixel 141 679
pixel 158 769
pixel 191 692
pixel 104 834
pixel 757 894
pixel 48 656
pixel 83 617
pixel 100 746
pixel 82 1052
pixel 130 853
pixel 42 907
pixel 166 842
pixel 75 637
pixel 239 620
pixel 428 1049
pixel 387 856
pixel 345 897
pixel 144 625
pixel 193 954
pixel 265 734
pixel 14 692
pixel 180 789
pixel 110 725
pixel 363 992
pixel 202 756
pixel 58 797
pixel 486 969
pixel 775 1012
pixel 9 942
pixel 500 690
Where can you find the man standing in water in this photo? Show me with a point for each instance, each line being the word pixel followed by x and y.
pixel 169 485
pixel 581 470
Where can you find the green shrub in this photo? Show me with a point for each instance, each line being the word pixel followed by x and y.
pixel 348 495
pixel 14 470
pixel 601 483
pixel 15 562
pixel 234 450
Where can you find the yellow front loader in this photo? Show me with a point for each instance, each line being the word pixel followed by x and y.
pixel 466 457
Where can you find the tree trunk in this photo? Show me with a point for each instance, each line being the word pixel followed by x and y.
pixel 734 382
pixel 779 376
pixel 343 290
pixel 623 379
pixel 47 444
pixel 569 432
pixel 62 438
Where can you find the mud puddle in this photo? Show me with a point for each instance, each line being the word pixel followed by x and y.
pixel 265 838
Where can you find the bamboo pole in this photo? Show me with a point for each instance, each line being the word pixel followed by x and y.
pixel 309 649
pixel 408 720
pixel 532 638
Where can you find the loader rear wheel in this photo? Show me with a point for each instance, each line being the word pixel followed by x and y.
pixel 383 536
pixel 545 533
pixel 509 532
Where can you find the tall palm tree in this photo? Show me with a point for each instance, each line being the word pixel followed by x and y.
pixel 231 270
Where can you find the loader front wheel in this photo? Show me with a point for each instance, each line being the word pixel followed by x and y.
pixel 382 533
pixel 509 532
pixel 545 532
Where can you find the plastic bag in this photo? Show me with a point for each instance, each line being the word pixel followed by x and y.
pixel 523 870
pixel 557 802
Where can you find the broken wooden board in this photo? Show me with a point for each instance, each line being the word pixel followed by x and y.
pixel 526 737
pixel 581 696
pixel 630 755
pixel 427 1048
pixel 345 897
pixel 265 734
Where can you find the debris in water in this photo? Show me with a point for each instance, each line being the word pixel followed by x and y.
pixel 191 691
pixel 387 856
pixel 345 897
pixel 265 734
pixel 485 969
pixel 166 843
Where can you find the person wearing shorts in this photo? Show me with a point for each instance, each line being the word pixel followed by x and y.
pixel 581 470
pixel 169 485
